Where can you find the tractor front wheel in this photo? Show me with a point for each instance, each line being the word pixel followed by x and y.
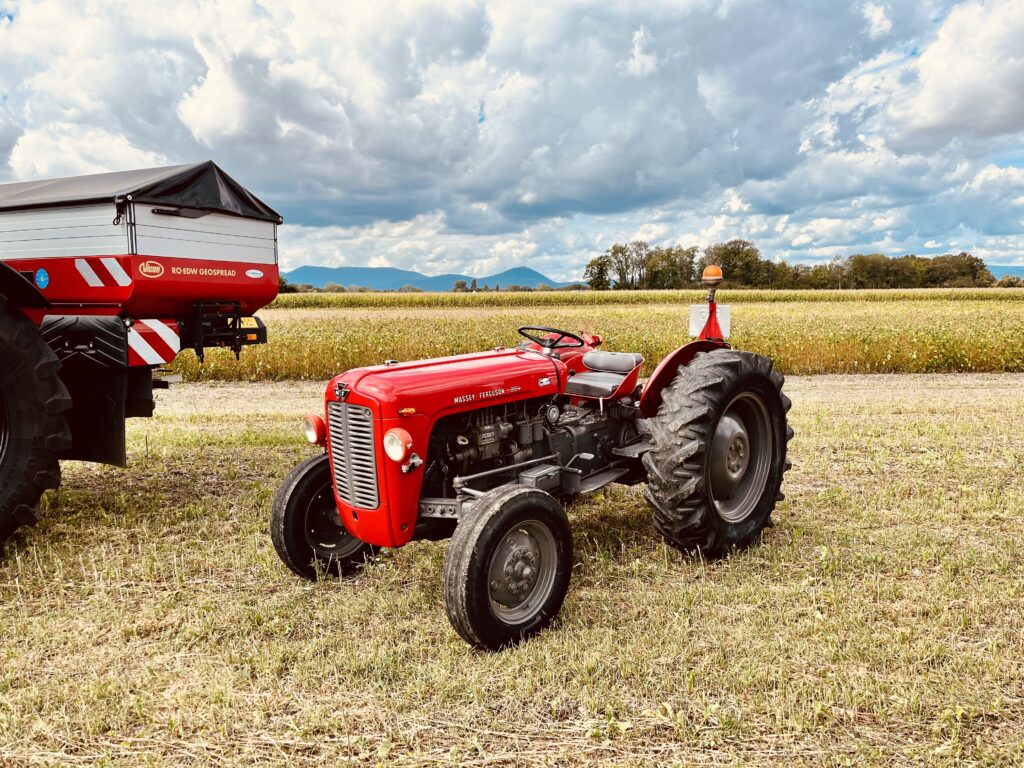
pixel 719 453
pixel 507 568
pixel 306 528
pixel 32 427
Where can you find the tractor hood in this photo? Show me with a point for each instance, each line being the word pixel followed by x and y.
pixel 450 384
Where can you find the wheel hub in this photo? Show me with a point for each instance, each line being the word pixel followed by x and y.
pixel 730 456
pixel 521 572
pixel 516 561
pixel 739 458
pixel 521 569
pixel 325 531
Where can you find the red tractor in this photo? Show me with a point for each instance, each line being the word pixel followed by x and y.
pixel 486 449
pixel 103 279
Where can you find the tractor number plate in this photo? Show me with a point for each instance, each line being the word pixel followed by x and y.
pixel 699 316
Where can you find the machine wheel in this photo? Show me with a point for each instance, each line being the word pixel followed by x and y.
pixel 507 568
pixel 719 454
pixel 306 528
pixel 32 429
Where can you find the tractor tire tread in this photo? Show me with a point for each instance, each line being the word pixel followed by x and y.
pixel 33 393
pixel 682 431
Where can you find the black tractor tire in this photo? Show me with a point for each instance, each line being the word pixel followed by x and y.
pixel 507 567
pixel 720 437
pixel 306 527
pixel 32 427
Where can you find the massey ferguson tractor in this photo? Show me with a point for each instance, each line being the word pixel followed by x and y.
pixel 103 279
pixel 487 448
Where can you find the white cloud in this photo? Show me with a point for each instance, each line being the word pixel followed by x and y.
pixel 66 149
pixel 812 128
pixel 970 80
pixel 214 108
pixel 642 63
pixel 879 24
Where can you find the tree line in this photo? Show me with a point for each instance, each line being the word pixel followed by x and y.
pixel 637 265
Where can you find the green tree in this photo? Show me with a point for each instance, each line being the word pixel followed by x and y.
pixel 639 257
pixel 740 261
pixel 460 286
pixel 598 273
pixel 670 267
pixel 621 262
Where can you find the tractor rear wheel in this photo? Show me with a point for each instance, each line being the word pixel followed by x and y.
pixel 719 452
pixel 32 429
pixel 507 568
pixel 306 527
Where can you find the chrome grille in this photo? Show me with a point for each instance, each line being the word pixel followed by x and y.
pixel 353 454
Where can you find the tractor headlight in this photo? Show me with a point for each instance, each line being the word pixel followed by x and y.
pixel 397 444
pixel 314 429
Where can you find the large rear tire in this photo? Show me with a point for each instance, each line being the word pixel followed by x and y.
pixel 32 427
pixel 719 452
pixel 306 527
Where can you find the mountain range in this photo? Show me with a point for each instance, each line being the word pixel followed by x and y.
pixel 391 279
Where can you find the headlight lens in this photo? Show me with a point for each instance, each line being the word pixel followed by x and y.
pixel 397 444
pixel 314 429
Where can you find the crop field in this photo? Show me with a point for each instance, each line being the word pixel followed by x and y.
pixel 600 298
pixel 147 620
pixel 809 333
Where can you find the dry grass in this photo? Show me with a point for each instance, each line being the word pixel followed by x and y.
pixel 147 621
pixel 803 337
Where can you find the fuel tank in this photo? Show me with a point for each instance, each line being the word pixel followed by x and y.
pixel 460 383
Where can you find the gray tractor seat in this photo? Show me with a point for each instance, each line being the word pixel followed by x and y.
pixel 605 373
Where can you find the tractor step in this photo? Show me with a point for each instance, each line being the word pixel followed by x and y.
pixel 595 483
pixel 634 450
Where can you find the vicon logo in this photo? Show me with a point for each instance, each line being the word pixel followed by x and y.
pixel 151 269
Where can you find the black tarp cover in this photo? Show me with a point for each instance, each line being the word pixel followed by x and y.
pixel 200 186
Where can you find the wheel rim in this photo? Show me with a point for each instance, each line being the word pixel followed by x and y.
pixel 325 532
pixel 741 454
pixel 521 574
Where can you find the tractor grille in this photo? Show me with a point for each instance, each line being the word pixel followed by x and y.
pixel 350 429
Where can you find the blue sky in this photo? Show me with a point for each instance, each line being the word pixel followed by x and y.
pixel 476 136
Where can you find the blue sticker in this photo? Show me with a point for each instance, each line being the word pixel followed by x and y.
pixel 42 278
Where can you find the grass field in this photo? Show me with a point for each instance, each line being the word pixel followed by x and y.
pixel 147 621
pixel 924 334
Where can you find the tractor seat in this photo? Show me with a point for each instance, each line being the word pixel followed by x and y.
pixel 604 375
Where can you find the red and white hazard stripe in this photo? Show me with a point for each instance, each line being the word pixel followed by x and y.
pixel 102 272
pixel 153 342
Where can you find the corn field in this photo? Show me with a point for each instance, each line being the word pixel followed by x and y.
pixel 591 298
pixel 904 333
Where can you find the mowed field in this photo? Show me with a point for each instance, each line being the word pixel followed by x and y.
pixel 148 621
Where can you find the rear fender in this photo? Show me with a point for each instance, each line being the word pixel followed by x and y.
pixel 650 399
pixel 20 293
pixel 93 352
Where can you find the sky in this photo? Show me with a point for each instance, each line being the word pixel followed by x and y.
pixel 477 136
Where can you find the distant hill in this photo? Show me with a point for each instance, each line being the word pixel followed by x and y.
pixel 391 279
pixel 1002 270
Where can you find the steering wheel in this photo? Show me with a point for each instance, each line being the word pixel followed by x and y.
pixel 549 343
